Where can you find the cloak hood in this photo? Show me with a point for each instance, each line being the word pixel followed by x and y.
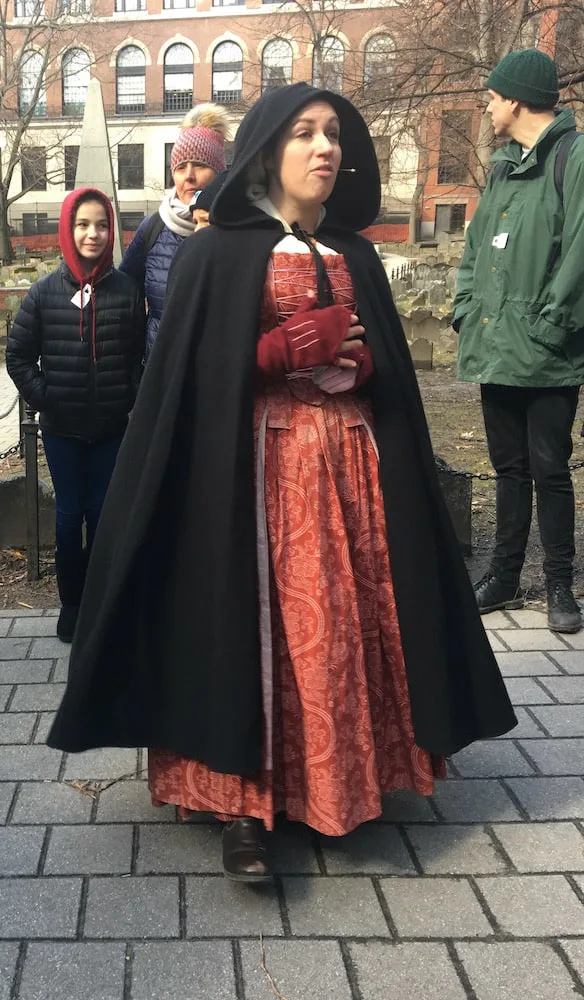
pixel 354 202
pixel 67 244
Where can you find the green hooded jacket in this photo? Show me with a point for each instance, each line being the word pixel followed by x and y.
pixel 519 304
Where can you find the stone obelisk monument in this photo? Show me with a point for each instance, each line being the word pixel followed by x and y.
pixel 94 166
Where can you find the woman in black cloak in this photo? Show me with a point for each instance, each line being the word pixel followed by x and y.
pixel 276 604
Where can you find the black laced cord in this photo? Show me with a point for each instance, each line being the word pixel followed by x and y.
pixel 323 282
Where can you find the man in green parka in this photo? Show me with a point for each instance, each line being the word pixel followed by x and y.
pixel 519 310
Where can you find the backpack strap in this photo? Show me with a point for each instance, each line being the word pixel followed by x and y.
pixel 151 232
pixel 562 153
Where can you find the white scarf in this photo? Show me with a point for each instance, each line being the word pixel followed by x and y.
pixel 176 215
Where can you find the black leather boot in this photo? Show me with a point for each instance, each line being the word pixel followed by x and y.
pixel 245 853
pixel 494 595
pixel 66 622
pixel 564 614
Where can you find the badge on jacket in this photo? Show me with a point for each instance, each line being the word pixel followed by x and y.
pixel 86 292
pixel 500 241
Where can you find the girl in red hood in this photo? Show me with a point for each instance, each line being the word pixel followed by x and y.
pixel 74 354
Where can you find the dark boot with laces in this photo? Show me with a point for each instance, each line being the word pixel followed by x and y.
pixel 564 614
pixel 493 594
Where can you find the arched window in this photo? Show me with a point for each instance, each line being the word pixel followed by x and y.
pixel 130 80
pixel 31 78
pixel 328 61
pixel 276 64
pixel 227 73
pixel 75 81
pixel 379 58
pixel 178 78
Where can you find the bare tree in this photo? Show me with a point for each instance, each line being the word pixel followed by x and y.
pixel 32 34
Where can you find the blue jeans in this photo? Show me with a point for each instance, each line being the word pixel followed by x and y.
pixel 81 471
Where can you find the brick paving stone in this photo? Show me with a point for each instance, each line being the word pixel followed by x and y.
pixel 39 907
pixel 534 905
pixel 130 802
pixel 195 848
pixel 334 907
pixel 422 971
pixel 132 908
pixel 570 661
pixel 437 907
pixel 559 756
pixel 292 850
pixel 526 727
pixel 506 970
pixel 19 612
pixel 46 721
pixel 455 850
pixel 6 796
pixel 89 850
pixel 474 801
pixel 16 728
pixel 33 627
pixel 5 627
pixel 575 641
pixel 197 969
pixel 497 620
pixel 73 971
pixel 561 720
pixel 526 691
pixel 496 645
pixel 491 758
pixel 543 847
pixel 5 692
pixel 568 690
pixel 574 949
pixel 404 806
pixel 526 618
pixel 29 763
pixel 62 669
pixel 525 664
pixel 96 765
pixel 52 612
pixel 46 647
pixel 304 970
pixel 50 802
pixel 550 798
pixel 533 638
pixel 25 671
pixel 372 849
pixel 37 697
pixel 14 649
pixel 217 907
pixel 20 850
pixel 8 959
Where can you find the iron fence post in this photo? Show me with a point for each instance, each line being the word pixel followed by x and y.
pixel 31 493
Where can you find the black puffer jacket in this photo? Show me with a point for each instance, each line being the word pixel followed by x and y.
pixel 82 383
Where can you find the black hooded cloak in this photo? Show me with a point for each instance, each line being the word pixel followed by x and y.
pixel 166 652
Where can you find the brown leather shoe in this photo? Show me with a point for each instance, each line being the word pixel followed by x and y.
pixel 245 853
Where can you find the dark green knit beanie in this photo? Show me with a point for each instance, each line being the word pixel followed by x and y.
pixel 528 76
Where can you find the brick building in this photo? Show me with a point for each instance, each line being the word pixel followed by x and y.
pixel 155 58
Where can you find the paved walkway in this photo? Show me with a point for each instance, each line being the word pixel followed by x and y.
pixel 477 894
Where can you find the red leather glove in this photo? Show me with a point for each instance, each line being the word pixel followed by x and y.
pixel 310 337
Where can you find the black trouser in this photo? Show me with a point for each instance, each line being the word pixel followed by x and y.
pixel 529 433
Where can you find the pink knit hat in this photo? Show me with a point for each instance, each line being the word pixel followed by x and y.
pixel 202 138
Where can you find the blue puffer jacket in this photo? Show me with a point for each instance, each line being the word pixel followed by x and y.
pixel 151 273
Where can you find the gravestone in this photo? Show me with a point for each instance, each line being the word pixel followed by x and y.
pixel 13 513
pixel 422 351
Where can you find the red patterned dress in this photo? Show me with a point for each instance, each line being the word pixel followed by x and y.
pixel 337 723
